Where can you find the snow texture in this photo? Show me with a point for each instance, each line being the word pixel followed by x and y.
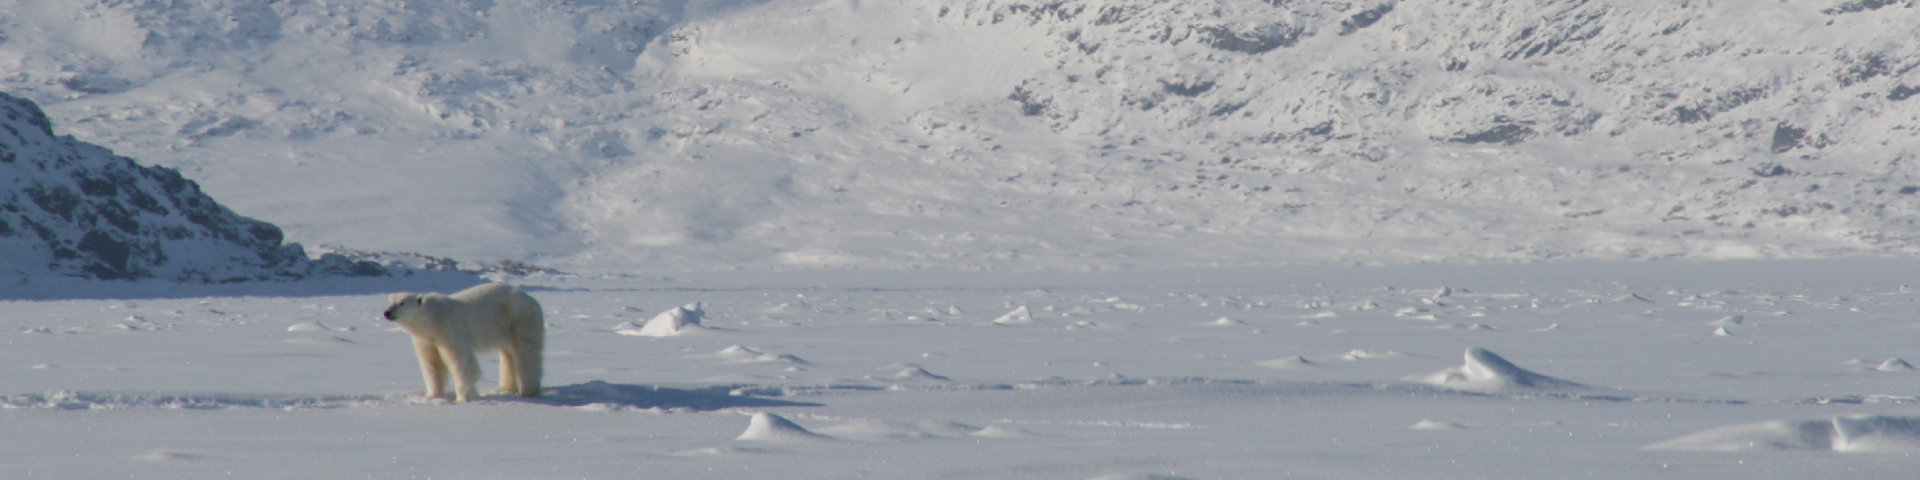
pixel 263 383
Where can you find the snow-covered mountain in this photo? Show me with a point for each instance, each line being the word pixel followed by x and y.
pixel 1012 133
pixel 72 209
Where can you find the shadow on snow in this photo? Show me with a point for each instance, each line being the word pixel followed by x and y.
pixel 579 395
pixel 648 396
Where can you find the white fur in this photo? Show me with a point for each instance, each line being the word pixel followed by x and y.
pixel 449 330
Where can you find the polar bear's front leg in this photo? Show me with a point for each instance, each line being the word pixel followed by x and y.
pixel 431 367
pixel 466 371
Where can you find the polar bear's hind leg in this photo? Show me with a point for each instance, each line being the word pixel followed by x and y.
pixel 527 367
pixel 509 371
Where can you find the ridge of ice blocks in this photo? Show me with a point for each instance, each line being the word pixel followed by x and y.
pixel 676 321
pixel 1851 434
pixel 767 427
pixel 1485 371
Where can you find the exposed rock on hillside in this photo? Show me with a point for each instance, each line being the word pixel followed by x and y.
pixel 69 208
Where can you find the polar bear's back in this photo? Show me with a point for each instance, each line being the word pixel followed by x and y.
pixel 498 294
pixel 505 311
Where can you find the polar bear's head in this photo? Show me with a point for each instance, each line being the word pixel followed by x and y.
pixel 404 305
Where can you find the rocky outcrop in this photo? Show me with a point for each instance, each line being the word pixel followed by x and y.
pixel 69 208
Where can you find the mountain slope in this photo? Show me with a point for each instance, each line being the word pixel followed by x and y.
pixel 1016 134
pixel 70 209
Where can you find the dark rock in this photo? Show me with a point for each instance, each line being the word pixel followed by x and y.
pixel 1364 19
pixel 86 212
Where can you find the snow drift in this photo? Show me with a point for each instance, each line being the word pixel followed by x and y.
pixel 675 321
pixel 768 427
pixel 1851 433
pixel 1486 371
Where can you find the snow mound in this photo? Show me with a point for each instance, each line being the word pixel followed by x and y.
pixel 737 353
pixel 1295 362
pixel 1226 322
pixel 677 321
pixel 1895 365
pixel 1019 316
pixel 1363 354
pixel 767 427
pixel 1485 371
pixel 918 373
pixel 1851 434
pixel 786 358
pixel 1430 424
pixel 1727 321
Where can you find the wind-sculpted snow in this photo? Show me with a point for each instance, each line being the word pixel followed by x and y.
pixel 1489 372
pixel 1012 134
pixel 904 374
pixel 1851 433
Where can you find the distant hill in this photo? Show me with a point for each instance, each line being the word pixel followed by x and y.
pixel 1014 133
pixel 72 209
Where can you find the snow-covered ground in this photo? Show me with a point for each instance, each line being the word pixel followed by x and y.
pixel 1772 369
pixel 1037 174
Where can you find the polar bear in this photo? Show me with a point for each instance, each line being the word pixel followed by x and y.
pixel 448 330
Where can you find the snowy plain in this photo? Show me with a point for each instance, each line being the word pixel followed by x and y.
pixel 1309 372
pixel 1032 175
